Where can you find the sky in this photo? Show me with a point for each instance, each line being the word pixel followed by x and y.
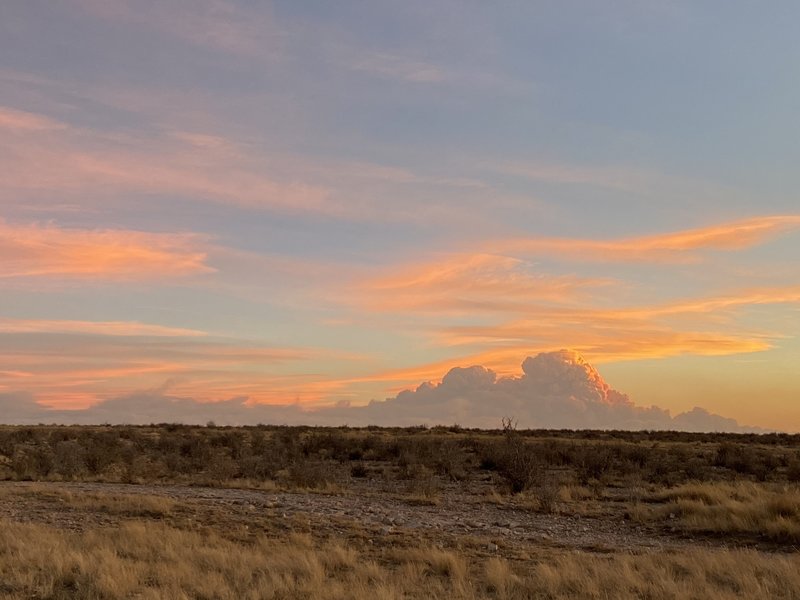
pixel 321 205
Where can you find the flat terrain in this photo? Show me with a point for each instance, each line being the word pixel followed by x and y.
pixel 364 511
pixel 445 513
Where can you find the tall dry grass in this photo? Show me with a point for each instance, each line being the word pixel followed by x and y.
pixel 153 560
pixel 762 510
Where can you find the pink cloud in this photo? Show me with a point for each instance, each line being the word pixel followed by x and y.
pixel 78 162
pixel 22 121
pixel 215 24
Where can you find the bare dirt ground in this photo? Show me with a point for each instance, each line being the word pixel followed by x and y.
pixel 365 514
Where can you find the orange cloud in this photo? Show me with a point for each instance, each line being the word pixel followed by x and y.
pixel 718 305
pixel 468 283
pixel 560 311
pixel 599 347
pixel 607 335
pixel 540 317
pixel 120 255
pixel 603 335
pixel 502 282
pixel 677 246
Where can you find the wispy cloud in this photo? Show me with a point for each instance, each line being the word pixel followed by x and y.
pixel 74 161
pixel 253 32
pixel 618 178
pixel 214 24
pixel 678 246
pixel 698 309
pixel 601 343
pixel 83 166
pixel 398 67
pixel 75 364
pixel 623 180
pixel 507 279
pixel 469 283
pixel 702 327
pixel 489 308
pixel 109 328
pixel 52 252
pixel 22 121
pixel 501 352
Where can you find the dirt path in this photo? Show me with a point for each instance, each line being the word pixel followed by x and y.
pixel 377 512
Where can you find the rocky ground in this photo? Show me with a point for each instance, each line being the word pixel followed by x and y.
pixel 366 513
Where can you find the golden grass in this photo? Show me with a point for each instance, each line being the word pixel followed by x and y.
pixel 265 485
pixel 763 510
pixel 575 493
pixel 421 500
pixel 696 574
pixel 562 499
pixel 500 579
pixel 152 560
pixel 128 505
pixel 492 496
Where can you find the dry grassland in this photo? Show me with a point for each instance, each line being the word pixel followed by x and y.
pixel 153 560
pixel 126 512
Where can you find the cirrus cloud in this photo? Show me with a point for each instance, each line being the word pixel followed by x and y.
pixel 48 251
pixel 468 283
pixel 677 246
pixel 112 328
pixel 23 121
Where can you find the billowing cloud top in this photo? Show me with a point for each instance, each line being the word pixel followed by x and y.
pixel 556 390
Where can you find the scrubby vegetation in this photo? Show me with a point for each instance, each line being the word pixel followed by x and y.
pixel 316 457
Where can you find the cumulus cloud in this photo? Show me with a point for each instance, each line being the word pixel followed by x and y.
pixel 555 390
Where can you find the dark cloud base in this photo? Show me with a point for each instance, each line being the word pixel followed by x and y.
pixel 557 390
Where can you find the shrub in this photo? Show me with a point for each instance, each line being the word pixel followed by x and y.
pixel 513 459
pixel 68 459
pixel 359 470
